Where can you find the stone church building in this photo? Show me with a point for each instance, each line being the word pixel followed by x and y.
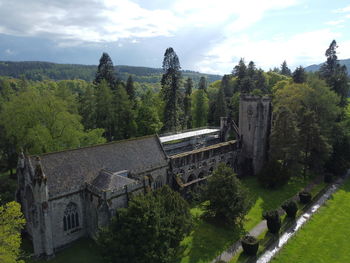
pixel 70 194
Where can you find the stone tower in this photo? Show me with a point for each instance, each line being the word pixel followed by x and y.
pixel 254 130
pixel 33 195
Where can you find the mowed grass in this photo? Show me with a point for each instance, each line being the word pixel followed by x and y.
pixel 81 251
pixel 209 239
pixel 326 237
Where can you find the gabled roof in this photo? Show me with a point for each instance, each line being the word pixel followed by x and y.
pixel 68 171
pixel 107 180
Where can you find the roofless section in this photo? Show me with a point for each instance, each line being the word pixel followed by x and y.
pixel 189 140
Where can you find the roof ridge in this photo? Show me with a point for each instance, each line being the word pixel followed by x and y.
pixel 94 146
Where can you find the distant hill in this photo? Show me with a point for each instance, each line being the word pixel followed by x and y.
pixel 36 70
pixel 314 68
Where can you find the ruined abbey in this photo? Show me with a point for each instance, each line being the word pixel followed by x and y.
pixel 71 194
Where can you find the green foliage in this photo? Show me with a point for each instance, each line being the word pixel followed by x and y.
pixel 149 230
pixel 171 90
pixel 130 89
pixel 188 103
pixel 228 198
pixel 290 207
pixel 335 74
pixel 105 71
pixel 200 108
pixel 299 75
pixel 273 221
pixel 11 224
pixel 285 70
pixel 273 174
pixel 39 121
pixel 8 187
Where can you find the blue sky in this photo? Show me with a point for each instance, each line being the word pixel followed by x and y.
pixel 208 36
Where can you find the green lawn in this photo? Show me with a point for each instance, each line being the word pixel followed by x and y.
pixel 326 237
pixel 82 251
pixel 208 240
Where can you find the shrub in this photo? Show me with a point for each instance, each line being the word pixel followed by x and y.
pixel 273 221
pixel 273 175
pixel 250 245
pixel 290 207
pixel 305 197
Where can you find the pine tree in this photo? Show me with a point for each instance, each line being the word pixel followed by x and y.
pixel 188 103
pixel 285 70
pixel 170 90
pixel 260 81
pixel 299 75
pixel 88 108
pixel 335 74
pixel 105 71
pixel 202 84
pixel 130 89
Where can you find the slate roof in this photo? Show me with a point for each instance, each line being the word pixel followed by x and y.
pixel 68 171
pixel 107 180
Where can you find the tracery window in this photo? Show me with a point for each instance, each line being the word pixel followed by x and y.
pixel 71 217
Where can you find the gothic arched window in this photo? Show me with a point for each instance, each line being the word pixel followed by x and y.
pixel 70 217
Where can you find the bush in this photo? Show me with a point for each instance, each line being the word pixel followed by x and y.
pixel 250 245
pixel 273 221
pixel 328 178
pixel 305 197
pixel 291 208
pixel 273 175
pixel 228 197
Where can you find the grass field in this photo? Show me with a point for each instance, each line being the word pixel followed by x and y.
pixel 208 240
pixel 82 251
pixel 326 237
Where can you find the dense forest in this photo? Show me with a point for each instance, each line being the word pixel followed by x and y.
pixel 35 70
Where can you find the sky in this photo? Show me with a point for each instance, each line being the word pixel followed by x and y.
pixel 208 36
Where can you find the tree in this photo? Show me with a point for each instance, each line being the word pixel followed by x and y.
pixel 228 198
pixel 149 230
pixel 285 70
pixel 130 89
pixel 220 106
pixel 87 108
pixel 148 121
pixel 202 84
pixel 11 224
pixel 104 109
pixel 260 81
pixel 284 144
pixel 188 103
pixel 299 75
pixel 170 90
pixel 200 108
pixel 38 121
pixel 105 71
pixel 335 74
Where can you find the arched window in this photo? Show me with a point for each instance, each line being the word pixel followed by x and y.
pixel 71 217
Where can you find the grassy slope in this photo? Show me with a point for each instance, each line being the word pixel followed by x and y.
pixel 208 240
pixel 331 245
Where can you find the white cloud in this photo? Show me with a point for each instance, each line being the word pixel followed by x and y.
pixel 110 20
pixel 342 10
pixel 297 49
